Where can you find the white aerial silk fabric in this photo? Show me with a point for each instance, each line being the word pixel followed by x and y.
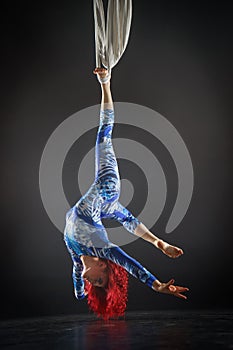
pixel 111 39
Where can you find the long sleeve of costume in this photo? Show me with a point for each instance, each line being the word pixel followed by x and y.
pixel 122 215
pixel 78 280
pixel 118 256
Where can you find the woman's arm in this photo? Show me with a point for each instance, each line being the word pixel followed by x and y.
pixel 118 256
pixel 78 281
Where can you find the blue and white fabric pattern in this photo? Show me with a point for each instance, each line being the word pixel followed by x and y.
pixel 84 232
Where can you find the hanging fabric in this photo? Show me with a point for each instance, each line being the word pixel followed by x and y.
pixel 111 40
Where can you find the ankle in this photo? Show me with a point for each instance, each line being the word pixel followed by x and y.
pixel 105 86
pixel 157 243
pixel 162 244
pixel 106 79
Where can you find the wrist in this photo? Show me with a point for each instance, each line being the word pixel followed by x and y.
pixel 156 284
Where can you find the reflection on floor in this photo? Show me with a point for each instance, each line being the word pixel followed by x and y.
pixel 138 330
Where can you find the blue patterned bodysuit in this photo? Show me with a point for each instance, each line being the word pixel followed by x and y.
pixel 84 232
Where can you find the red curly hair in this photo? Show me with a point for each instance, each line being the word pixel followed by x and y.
pixel 109 302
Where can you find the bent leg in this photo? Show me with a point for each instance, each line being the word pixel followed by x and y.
pixel 120 214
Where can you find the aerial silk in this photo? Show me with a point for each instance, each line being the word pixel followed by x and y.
pixel 111 39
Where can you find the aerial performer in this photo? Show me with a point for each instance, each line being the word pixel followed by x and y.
pixel 100 267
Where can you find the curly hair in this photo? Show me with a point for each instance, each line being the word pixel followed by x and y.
pixel 109 302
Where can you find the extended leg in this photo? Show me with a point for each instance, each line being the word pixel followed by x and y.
pixel 106 102
pixel 106 167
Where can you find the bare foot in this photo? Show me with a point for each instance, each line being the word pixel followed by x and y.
pixel 102 72
pixel 169 250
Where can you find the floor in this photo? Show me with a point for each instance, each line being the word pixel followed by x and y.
pixel 138 330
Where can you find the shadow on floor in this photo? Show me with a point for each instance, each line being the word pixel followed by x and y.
pixel 171 330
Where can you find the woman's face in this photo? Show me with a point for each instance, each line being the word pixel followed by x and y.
pixel 96 274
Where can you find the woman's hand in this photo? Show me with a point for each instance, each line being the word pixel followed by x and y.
pixel 169 288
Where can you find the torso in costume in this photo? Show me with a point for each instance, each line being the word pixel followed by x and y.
pixel 84 232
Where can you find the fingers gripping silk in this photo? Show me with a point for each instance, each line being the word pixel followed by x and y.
pixel 84 232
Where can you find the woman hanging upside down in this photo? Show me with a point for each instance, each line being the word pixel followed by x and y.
pixel 100 267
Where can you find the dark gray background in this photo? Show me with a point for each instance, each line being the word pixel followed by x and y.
pixel 179 63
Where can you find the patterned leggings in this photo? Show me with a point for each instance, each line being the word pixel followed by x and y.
pixel 101 200
pixel 106 167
